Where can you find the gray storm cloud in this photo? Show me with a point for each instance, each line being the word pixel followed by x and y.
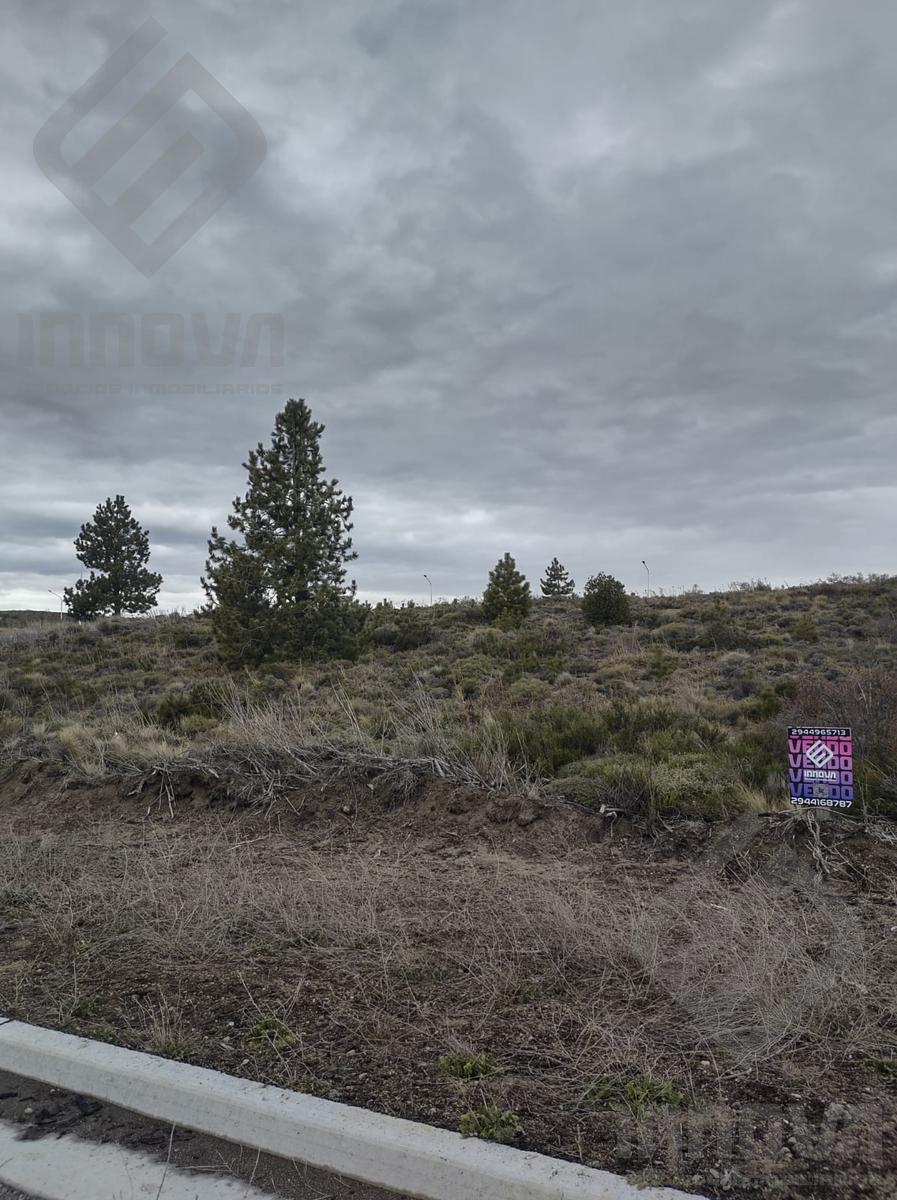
pixel 602 281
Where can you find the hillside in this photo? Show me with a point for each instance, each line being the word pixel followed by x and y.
pixel 682 714
pixel 543 883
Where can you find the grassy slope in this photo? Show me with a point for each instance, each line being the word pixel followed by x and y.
pixel 682 713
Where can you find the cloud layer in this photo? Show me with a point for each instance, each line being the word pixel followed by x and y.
pixel 602 281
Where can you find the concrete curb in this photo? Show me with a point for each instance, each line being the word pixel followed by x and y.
pixel 402 1156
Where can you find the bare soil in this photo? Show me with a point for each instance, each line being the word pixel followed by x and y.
pixel 345 938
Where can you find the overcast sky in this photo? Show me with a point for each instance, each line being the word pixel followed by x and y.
pixel 601 280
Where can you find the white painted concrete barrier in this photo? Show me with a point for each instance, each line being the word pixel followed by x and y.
pixel 401 1156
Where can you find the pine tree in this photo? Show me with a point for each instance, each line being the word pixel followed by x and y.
pixel 557 581
pixel 604 601
pixel 507 597
pixel 280 591
pixel 115 549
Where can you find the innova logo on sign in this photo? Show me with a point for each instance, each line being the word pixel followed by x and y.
pixel 819 755
pixel 79 181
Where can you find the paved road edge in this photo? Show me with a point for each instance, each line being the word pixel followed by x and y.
pixel 389 1152
pixel 71 1168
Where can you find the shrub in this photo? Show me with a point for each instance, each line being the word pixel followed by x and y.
pixel 472 673
pixel 178 708
pixel 194 724
pixel 528 690
pixel 750 585
pixel 459 612
pixel 622 783
pixel 719 631
pixel 406 628
pixel 554 736
pixel 770 702
pixel 385 635
pixel 692 786
pixel 491 642
pixel 756 754
pixel 662 665
pixel 628 720
pixel 538 651
pixel 805 629
pixel 543 668
pixel 589 792
pixel 681 636
pixel 604 601
pixel 185 636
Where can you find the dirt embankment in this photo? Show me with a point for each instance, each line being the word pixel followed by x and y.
pixel 710 1006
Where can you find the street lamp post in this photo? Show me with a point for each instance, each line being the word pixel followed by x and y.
pixel 648 569
pixel 61 600
pixel 429 580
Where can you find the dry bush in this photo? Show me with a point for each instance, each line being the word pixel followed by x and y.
pixel 865 699
pixel 419 733
pixel 757 973
pixel 55 635
pixel 278 724
pixel 121 740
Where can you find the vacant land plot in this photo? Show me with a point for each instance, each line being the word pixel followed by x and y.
pixel 601 1000
pixel 536 885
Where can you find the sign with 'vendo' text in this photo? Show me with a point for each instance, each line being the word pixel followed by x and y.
pixel 820 766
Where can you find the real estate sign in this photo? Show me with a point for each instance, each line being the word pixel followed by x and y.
pixel 820 766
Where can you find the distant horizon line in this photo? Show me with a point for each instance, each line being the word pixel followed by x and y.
pixel 734 588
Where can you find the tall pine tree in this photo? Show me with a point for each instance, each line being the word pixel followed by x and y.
pixel 507 597
pixel 557 581
pixel 279 590
pixel 115 549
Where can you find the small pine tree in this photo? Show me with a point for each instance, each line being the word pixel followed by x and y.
pixel 604 601
pixel 280 591
pixel 115 549
pixel 557 581
pixel 507 597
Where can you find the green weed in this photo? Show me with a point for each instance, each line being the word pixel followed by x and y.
pixel 467 1066
pixel 886 1066
pixel 491 1123
pixel 635 1096
pixel 270 1033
